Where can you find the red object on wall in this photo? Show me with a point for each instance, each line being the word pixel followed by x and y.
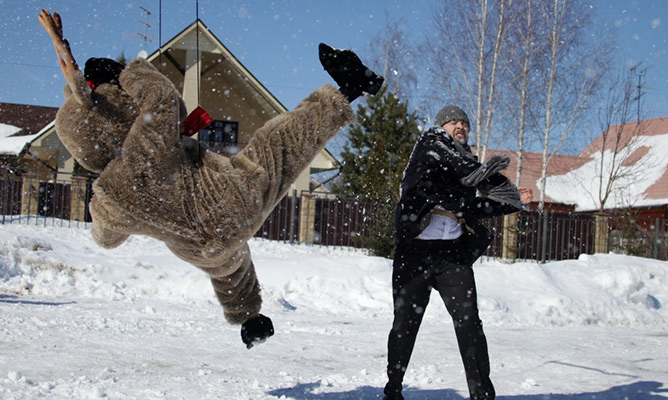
pixel 197 120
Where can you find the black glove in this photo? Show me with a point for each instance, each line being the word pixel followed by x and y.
pixel 256 330
pixel 348 71
pixel 495 164
pixel 501 190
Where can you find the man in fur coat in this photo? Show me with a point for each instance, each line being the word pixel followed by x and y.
pixel 202 205
pixel 438 237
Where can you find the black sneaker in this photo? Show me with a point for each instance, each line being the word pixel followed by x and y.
pixel 348 71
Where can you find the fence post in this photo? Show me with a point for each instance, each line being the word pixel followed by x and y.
pixel 293 214
pixel 510 236
pixel 656 239
pixel 5 194
pixel 601 239
pixel 543 245
pixel 78 198
pixel 30 196
pixel 307 224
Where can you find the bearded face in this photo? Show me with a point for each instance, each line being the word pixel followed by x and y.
pixel 458 129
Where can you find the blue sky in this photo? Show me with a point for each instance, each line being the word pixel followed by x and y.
pixel 277 41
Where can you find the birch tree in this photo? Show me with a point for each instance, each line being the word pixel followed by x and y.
pixel 393 56
pixel 523 56
pixel 489 107
pixel 575 69
pixel 463 53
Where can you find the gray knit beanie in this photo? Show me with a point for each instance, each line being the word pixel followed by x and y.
pixel 450 113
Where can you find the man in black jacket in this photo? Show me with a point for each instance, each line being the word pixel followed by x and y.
pixel 438 237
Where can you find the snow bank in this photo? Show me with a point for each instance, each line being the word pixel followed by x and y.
pixel 593 290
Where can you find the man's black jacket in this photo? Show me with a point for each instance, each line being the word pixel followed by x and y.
pixel 433 177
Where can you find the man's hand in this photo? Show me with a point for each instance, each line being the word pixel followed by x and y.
pixel 526 195
pixel 53 25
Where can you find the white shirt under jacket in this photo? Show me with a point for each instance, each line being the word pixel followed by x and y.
pixel 441 228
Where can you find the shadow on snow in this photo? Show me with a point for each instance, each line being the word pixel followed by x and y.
pixel 648 390
pixel 12 299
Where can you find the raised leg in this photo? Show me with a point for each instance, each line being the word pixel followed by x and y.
pixel 286 145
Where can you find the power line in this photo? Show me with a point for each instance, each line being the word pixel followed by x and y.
pixel 28 65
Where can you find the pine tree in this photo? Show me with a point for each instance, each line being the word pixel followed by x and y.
pixel 122 58
pixel 373 160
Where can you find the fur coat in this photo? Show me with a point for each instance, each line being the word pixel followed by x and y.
pixel 206 208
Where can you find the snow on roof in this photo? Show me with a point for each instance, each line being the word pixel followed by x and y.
pixel 28 117
pixel 636 184
pixel 15 145
pixel 8 130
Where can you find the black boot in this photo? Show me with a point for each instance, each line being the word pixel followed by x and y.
pixel 392 392
pixel 347 70
pixel 393 396
pixel 256 330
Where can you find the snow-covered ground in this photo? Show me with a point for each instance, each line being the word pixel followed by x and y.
pixel 80 322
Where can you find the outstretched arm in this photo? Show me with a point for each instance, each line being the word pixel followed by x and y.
pixel 53 25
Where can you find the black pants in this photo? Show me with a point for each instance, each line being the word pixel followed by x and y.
pixel 418 268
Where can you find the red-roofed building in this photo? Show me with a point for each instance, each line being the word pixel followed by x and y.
pixel 532 164
pixel 573 181
pixel 653 129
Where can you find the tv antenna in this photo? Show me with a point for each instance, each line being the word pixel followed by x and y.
pixel 640 73
pixel 145 37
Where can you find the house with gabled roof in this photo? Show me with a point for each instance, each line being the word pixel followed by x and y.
pixel 625 169
pixel 574 181
pixel 23 141
pixel 230 93
pixel 531 172
pixel 205 72
pixel 643 165
pixel 632 160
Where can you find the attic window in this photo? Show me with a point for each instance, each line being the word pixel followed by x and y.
pixel 220 136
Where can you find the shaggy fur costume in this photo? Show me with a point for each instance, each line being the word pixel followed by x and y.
pixel 206 208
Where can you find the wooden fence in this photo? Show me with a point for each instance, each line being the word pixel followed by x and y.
pixel 320 220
